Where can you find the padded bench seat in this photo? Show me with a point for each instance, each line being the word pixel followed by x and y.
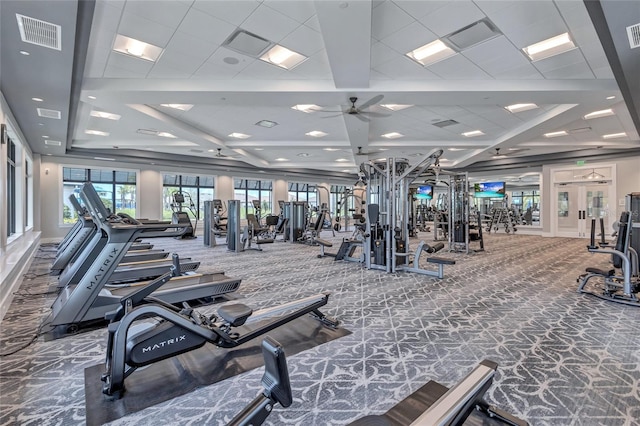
pixel 322 242
pixel 441 261
pixel 235 314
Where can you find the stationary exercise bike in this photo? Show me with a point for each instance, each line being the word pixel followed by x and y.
pixel 185 329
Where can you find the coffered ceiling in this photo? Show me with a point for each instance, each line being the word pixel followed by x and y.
pixel 352 48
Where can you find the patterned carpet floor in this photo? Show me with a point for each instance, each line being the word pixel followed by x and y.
pixel 564 358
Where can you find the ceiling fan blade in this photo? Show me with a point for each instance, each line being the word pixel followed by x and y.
pixel 335 115
pixel 375 114
pixel 370 102
pixel 361 118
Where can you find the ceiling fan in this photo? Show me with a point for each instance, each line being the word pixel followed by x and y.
pixel 219 154
pixel 510 152
pixel 359 111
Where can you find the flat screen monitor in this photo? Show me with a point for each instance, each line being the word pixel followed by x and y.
pixel 424 192
pixel 489 190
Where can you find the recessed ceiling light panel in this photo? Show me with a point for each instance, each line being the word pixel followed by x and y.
pixel 96 132
pixel 239 135
pixel 615 135
pixel 331 149
pixel 520 107
pixel 181 107
pixel 281 159
pixel 342 160
pixel 166 135
pixel 107 115
pixel 431 53
pixel 392 135
pixel 473 133
pixel 308 108
pixel 136 48
pixel 395 107
pixel 283 57
pixel 549 47
pixel 556 134
pixel 598 114
pixel 317 134
pixel 52 143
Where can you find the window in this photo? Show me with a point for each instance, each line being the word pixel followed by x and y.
pixel 526 199
pixel 198 188
pixel 248 190
pixel 11 188
pixel 303 192
pixel 116 188
pixel 28 190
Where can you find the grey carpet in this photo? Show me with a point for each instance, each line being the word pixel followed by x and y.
pixel 565 358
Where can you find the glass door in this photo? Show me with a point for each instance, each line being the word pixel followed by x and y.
pixel 577 204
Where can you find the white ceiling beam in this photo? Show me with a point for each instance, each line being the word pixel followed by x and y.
pixel 346 30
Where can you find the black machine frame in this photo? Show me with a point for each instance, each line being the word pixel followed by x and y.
pixel 185 329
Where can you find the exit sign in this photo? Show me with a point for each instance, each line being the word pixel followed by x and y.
pixel 580 162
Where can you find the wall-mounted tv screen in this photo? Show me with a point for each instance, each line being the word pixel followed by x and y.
pixel 424 192
pixel 489 190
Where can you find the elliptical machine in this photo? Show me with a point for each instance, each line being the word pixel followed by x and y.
pixel 180 217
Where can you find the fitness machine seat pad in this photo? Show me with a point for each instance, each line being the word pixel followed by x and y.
pixel 441 261
pixel 323 242
pixel 235 314
pixel 609 273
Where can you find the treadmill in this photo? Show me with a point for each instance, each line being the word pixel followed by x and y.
pixel 89 300
pixel 79 236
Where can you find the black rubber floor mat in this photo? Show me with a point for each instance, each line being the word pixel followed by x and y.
pixel 179 375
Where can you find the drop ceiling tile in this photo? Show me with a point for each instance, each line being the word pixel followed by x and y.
pixel 304 40
pixel 523 36
pixel 165 70
pixel 458 67
pixel 167 13
pixel 495 55
pixel 523 72
pixel 177 60
pixel 259 70
pixel 300 11
pixel 573 71
pixel 269 24
pixel 142 29
pixel 558 61
pixel 316 67
pixel 188 45
pixel 377 76
pixel 205 27
pixel 215 72
pixel 381 53
pixel 387 19
pixel 106 17
pixel 313 23
pixel 406 69
pixel 126 62
pixel 452 17
pixel 232 11
pixel 603 72
pixel 111 71
pixel 219 56
pixel 410 37
pixel 418 9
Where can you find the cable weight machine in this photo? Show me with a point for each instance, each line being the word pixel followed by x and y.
pixel 386 244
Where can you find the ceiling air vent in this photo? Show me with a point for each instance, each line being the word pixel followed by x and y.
pixel 49 113
pixel 247 43
pixel 445 123
pixel 197 151
pixel 634 35
pixel 473 34
pixel 52 143
pixel 39 32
